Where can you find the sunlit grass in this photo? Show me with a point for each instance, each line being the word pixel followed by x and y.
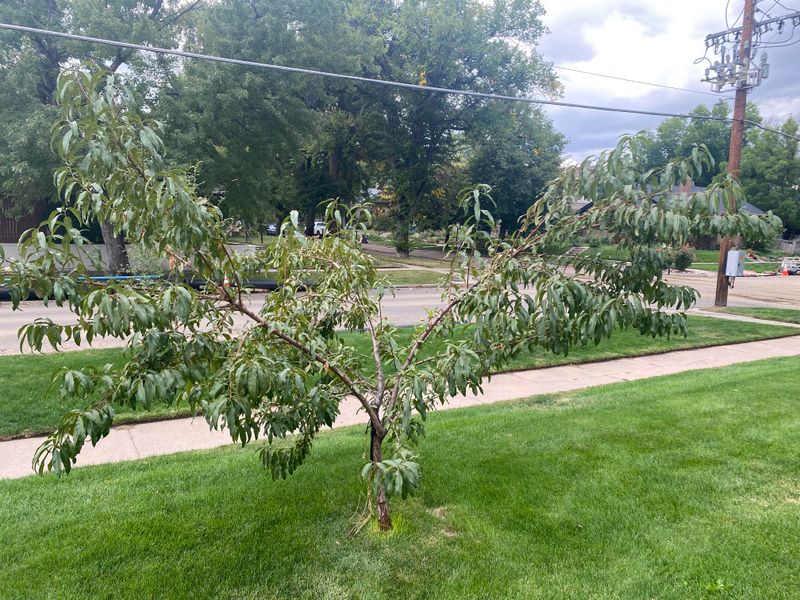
pixel 678 487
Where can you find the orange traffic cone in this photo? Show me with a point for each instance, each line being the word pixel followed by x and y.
pixel 785 271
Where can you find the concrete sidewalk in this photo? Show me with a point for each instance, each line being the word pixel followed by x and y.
pixel 140 440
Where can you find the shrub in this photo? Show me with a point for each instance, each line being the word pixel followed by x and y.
pixel 684 258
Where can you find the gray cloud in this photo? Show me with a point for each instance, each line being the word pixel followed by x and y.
pixel 589 132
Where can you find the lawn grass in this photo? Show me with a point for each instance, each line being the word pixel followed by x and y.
pixel 706 255
pixel 608 252
pixel 382 263
pixel 414 261
pixel 786 315
pixel 395 273
pixel 412 277
pixel 26 409
pixel 680 487
pixel 707 259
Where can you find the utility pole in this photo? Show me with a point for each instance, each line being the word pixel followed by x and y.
pixel 736 69
pixel 737 133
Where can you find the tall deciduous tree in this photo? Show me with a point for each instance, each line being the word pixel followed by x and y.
pixel 676 137
pixel 460 44
pixel 33 62
pixel 769 166
pixel 26 161
pixel 770 173
pixel 288 371
pixel 517 152
pixel 270 142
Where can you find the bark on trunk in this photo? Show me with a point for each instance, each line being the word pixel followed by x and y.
pixel 309 228
pixel 401 228
pixel 115 248
pixel 384 520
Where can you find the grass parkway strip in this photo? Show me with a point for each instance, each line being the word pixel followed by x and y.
pixel 677 487
pixel 28 409
pixel 785 315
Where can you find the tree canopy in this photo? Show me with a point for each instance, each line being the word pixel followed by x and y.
pixel 516 153
pixel 770 164
pixel 265 143
pixel 771 173
pixel 286 373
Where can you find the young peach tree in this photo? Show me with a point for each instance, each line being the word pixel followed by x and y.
pixel 280 371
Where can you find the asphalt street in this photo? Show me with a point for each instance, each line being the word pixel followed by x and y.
pixel 407 307
pixel 410 305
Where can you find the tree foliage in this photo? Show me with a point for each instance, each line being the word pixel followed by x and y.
pixel 30 74
pixel 771 174
pixel 676 137
pixel 31 64
pixel 458 44
pixel 286 374
pixel 516 152
pixel 265 143
pixel 770 164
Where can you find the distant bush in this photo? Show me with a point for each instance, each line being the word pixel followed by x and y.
pixel 145 260
pixel 684 258
pixel 765 243
pixel 382 222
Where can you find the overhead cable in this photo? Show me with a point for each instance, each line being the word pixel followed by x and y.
pixel 383 82
pixel 658 85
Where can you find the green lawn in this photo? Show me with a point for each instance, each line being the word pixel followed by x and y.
pixel 382 263
pixel 387 260
pixel 608 252
pixel 706 260
pixel 706 255
pixel 393 271
pixel 787 315
pixel 681 487
pixel 412 277
pixel 25 407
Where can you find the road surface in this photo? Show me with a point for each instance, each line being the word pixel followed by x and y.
pixel 409 305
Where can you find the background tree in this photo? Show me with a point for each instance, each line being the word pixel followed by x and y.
pixel 770 174
pixel 676 137
pixel 26 162
pixel 460 44
pixel 517 152
pixel 32 64
pixel 769 170
pixel 266 141
pixel 288 371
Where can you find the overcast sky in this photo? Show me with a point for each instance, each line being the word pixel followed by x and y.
pixel 654 41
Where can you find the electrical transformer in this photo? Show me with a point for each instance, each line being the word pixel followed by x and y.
pixel 734 267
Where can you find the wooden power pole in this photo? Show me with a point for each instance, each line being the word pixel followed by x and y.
pixel 737 133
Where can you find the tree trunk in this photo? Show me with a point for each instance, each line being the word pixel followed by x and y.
pixel 115 248
pixel 401 227
pixel 309 229
pixel 503 231
pixel 376 455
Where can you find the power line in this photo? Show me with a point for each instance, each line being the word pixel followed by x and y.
pixel 383 82
pixel 727 6
pixel 658 85
pixel 781 5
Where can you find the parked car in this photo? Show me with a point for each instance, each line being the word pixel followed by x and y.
pixel 319 227
pixel 271 229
